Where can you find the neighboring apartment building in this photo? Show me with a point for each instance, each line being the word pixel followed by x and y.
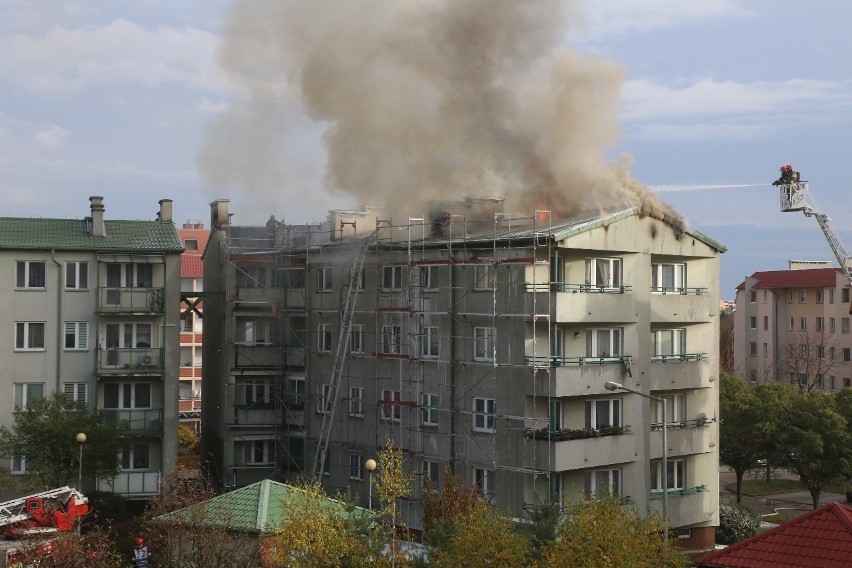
pixel 193 237
pixel 91 310
pixel 479 346
pixel 794 325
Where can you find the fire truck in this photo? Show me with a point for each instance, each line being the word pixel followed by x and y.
pixel 56 510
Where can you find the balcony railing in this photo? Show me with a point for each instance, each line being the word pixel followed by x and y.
pixel 136 359
pixel 578 434
pixel 682 358
pixel 576 288
pixel 148 300
pixel 678 291
pixel 670 425
pixel 132 483
pixel 658 493
pixel 556 361
pixel 136 420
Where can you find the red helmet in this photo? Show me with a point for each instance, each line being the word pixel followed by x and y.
pixel 140 541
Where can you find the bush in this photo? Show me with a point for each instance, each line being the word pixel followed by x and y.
pixel 186 439
pixel 736 523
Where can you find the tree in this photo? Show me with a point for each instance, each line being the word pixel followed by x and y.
pixel 45 433
pixel 726 340
pixel 742 428
pixel 186 439
pixel 736 523
pixel 603 533
pixel 392 483
pixel 810 358
pixel 446 509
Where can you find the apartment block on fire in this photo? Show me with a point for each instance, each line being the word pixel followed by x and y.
pixel 794 325
pixel 193 237
pixel 91 310
pixel 482 346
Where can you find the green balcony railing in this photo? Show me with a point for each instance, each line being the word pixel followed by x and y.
pixel 556 361
pixel 681 358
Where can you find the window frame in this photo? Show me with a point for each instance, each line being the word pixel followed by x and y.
pixel 430 406
pixel 24 335
pixel 392 278
pixel 658 278
pixel 485 278
pixel 613 484
pixel 266 447
pixel 391 412
pixel 616 336
pixel 428 277
pixel 22 397
pixel 324 393
pixel 356 339
pixel 130 458
pixel 677 342
pixel 356 466
pixel 430 344
pixel 484 415
pixel 324 337
pixel 356 402
pixel 134 400
pixel 485 480
pixel 612 275
pixel 484 343
pixel 676 478
pixel 614 410
pixel 78 277
pixel 325 281
pixel 73 394
pixel 26 278
pixel 391 339
pixel 79 331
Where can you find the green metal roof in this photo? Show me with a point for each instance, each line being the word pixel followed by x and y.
pixel 73 234
pixel 256 508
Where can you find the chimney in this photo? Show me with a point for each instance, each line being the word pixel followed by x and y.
pixel 188 225
pixel 219 217
pixel 97 205
pixel 165 213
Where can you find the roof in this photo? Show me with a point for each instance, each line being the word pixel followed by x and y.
pixel 73 234
pixel 191 266
pixel 805 278
pixel 821 538
pixel 257 508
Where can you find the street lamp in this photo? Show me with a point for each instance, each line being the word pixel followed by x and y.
pixel 81 439
pixel 613 386
pixel 370 465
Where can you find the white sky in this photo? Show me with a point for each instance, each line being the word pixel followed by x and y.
pixel 111 98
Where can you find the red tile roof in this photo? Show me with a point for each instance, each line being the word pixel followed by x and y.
pixel 819 539
pixel 808 278
pixel 191 266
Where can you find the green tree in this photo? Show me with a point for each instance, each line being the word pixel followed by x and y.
pixel 603 533
pixel 45 433
pixel 392 484
pixel 736 523
pixel 186 439
pixel 741 428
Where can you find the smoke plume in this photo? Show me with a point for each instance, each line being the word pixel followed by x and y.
pixel 420 101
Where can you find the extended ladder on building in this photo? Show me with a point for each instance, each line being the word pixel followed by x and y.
pixel 15 510
pixel 341 352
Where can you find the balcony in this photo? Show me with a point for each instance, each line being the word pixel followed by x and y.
pixel 687 506
pixel 569 454
pixel 257 356
pixel 138 421
pixel 132 484
pixel 591 304
pixel 684 438
pixel 189 405
pixel 126 360
pixel 691 372
pixel 578 376
pixel 130 300
pixel 679 307
pixel 256 414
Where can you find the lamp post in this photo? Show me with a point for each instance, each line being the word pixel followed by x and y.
pixel 81 439
pixel 370 465
pixel 613 386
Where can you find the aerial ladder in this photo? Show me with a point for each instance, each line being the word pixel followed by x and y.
pixel 795 197
pixel 341 352
pixel 56 510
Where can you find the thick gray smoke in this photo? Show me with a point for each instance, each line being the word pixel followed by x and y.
pixel 421 101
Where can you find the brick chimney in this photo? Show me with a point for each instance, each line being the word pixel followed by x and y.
pixel 97 228
pixel 165 213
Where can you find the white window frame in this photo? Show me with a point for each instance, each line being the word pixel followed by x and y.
pixel 256 332
pixel 820 323
pixel 660 276
pixel 752 322
pixel 430 470
pixel 356 466
pixel 430 403
pixel 129 456
pixel 484 342
pixel 324 280
pixel 391 278
pixel 130 395
pixel 258 391
pixel 601 481
pixel 356 339
pixel 820 296
pixel 18 465
pixel 76 392
pixel 484 415
pixel 486 277
pixel 676 475
pixel 324 337
pixel 323 398
pixel 428 277
pixel 265 448
pixel 24 336
pixel 485 480
pixel 673 340
pixel 391 412
pixel 391 339
pixel 78 333
pixel 356 402
pixel 614 339
pixel 76 275
pixel 25 275
pixel 430 343
pixel 604 273
pixel 675 408
pixel 803 323
pixel 803 296
pixel 24 393
pixel 600 413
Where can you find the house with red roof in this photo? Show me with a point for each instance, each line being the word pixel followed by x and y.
pixel 821 538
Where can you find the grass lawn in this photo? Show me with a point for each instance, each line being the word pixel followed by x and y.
pixel 760 487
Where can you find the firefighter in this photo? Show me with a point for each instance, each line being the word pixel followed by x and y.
pixel 140 553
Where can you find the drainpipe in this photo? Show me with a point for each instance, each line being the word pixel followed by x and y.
pixel 452 365
pixel 58 320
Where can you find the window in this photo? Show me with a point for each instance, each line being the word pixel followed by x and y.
pixel 258 452
pixel 752 349
pixel 820 352
pixel 429 408
pixel 126 336
pixel 765 323
pixel 831 353
pixel 831 295
pixel 431 472
pixel 324 399
pixel 190 244
pixel 18 465
pixel 792 297
pixel 752 297
pixel 484 410
pixel 486 277
pixel 669 342
pixel 296 391
pixel 391 338
pixel 29 336
pixel 820 324
pixel 324 337
pixel 752 322
pixel 76 275
pixel 675 408
pixel 127 395
pixel 820 296
pixel 392 278
pixel 138 275
pixel 391 411
pixel 603 272
pixel 792 324
pixel 766 296
pixel 136 456
pixel 186 321
pixel 356 339
pixel 484 480
pixel 668 278
pixel 429 277
pixel 76 335
pixel 832 382
pixel 752 376
pixel 483 343
pixel 76 392
pixel 356 467
pixel 258 392
pixel 846 355
pixel 803 296
pixel 604 342
pixel 30 274
pixel 844 325
pixel 844 295
pixel 602 481
pixel 324 280
pixel 25 393
pixel 766 349
pixel 847 382
pixel 603 413
pixel 356 402
pixel 803 324
pixel 429 343
pixel 676 473
pixel 831 325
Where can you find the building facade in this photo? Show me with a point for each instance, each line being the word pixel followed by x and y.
pixel 92 310
pixel 794 325
pixel 479 346
pixel 193 237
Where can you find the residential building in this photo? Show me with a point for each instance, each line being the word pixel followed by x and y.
pixel 482 346
pixel 794 325
pixel 193 237
pixel 92 311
